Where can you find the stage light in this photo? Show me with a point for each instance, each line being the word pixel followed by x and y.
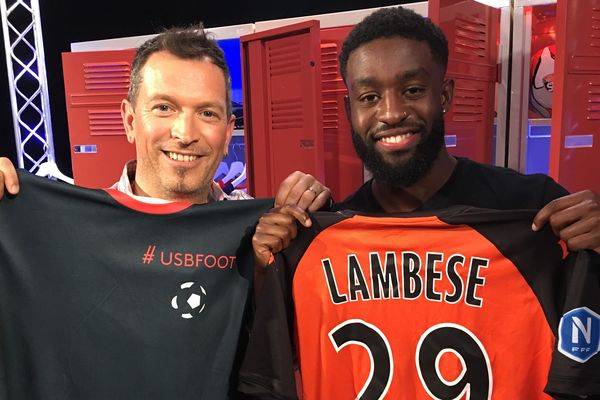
pixel 495 3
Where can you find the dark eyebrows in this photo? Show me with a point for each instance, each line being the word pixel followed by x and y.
pixel 419 72
pixel 162 97
pixel 362 82
pixel 204 104
pixel 414 73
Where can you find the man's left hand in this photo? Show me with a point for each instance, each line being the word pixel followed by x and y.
pixel 575 218
pixel 302 190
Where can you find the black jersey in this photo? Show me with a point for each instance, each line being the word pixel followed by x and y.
pixel 99 301
pixel 465 303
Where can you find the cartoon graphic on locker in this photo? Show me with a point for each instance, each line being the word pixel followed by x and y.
pixel 542 81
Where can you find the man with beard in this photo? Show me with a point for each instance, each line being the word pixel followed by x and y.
pixel 352 283
pixel 394 64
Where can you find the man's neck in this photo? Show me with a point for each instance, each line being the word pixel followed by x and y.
pixel 197 198
pixel 406 199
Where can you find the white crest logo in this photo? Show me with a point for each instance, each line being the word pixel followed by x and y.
pixel 193 300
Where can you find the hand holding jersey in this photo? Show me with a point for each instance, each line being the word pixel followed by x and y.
pixel 297 194
pixel 275 230
pixel 459 302
pixel 103 296
pixel 304 191
pixel 397 98
pixel 393 64
pixel 111 336
pixel 8 177
pixel 575 219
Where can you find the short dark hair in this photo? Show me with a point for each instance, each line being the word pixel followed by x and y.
pixel 188 43
pixel 395 21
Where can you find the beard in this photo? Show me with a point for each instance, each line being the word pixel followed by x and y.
pixel 398 174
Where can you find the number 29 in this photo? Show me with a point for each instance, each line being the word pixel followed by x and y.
pixel 475 380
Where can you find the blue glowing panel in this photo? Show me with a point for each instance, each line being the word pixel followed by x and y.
pixel 538 149
pixel 236 152
pixel 231 48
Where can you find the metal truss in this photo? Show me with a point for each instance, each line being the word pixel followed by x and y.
pixel 26 66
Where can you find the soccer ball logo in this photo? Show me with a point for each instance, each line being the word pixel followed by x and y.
pixel 192 300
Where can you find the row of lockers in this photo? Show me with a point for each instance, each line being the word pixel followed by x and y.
pixel 293 100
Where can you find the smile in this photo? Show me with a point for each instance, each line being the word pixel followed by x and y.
pixel 396 138
pixel 181 157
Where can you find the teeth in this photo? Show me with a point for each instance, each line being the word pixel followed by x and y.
pixel 395 139
pixel 181 157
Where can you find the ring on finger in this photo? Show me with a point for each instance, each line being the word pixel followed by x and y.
pixel 310 189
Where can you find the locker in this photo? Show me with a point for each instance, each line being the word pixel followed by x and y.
pixel 472 32
pixel 575 139
pixel 95 84
pixel 282 118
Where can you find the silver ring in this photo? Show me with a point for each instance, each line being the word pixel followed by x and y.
pixel 310 189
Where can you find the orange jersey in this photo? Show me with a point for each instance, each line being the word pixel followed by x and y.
pixel 462 304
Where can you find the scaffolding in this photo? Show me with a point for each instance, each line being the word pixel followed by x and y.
pixel 24 48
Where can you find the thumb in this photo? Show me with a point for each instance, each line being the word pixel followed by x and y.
pixel 263 256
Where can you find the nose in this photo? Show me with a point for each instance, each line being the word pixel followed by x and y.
pixel 392 109
pixel 183 128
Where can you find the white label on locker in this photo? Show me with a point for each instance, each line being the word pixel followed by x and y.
pixel 84 148
pixel 450 140
pixel 576 141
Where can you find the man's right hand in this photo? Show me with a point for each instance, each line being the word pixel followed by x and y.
pixel 8 177
pixel 275 230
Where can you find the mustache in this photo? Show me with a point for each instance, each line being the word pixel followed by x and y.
pixel 414 126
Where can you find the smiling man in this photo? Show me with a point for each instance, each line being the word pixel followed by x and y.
pixel 177 115
pixel 396 107
pixel 354 282
pixel 394 64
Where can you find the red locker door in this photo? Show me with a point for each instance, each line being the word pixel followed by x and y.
pixel 472 32
pixel 575 140
pixel 95 84
pixel 283 123
pixel 343 168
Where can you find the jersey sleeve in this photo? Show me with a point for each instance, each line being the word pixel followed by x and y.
pixel 575 368
pixel 267 371
pixel 270 364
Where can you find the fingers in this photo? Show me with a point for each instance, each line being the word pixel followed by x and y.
pixel 8 177
pixel 575 219
pixel 584 234
pixel 264 248
pixel 554 208
pixel 320 201
pixel 304 191
pixel 290 188
pixel 275 230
